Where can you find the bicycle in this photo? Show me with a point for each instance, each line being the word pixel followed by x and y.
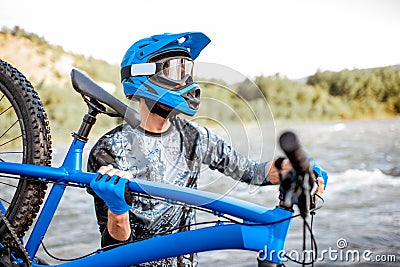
pixel 239 225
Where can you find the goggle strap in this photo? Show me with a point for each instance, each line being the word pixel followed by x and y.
pixel 139 70
pixel 125 72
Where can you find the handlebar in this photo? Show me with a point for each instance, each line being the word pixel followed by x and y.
pixel 296 187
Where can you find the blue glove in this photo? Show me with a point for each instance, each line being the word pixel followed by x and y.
pixel 112 191
pixel 320 172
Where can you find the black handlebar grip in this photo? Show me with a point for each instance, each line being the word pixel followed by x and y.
pixel 291 147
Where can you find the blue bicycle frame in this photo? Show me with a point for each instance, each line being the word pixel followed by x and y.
pixel 246 236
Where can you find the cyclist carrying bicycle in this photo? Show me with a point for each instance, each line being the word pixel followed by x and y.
pixel 158 72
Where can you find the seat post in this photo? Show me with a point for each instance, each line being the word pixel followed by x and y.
pixel 87 123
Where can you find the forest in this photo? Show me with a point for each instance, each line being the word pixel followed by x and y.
pixel 325 95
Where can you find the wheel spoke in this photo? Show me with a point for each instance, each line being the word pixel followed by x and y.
pixel 4 111
pixel 3 200
pixel 15 177
pixel 9 128
pixel 10 185
pixel 11 140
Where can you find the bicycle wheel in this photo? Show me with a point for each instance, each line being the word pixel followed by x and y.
pixel 24 138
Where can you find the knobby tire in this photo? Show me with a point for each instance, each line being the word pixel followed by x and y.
pixel 25 138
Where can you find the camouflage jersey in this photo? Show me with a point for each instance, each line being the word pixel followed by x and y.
pixel 174 157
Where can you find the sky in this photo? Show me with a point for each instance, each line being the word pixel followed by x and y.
pixel 294 38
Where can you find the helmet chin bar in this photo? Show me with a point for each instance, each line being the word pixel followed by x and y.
pixel 160 109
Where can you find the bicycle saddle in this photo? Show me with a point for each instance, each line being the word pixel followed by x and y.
pixel 87 87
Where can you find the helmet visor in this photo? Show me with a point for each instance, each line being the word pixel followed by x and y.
pixel 174 70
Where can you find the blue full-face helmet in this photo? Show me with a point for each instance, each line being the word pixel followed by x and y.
pixel 160 70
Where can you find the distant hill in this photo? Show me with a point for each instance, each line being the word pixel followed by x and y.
pixel 42 62
pixel 48 68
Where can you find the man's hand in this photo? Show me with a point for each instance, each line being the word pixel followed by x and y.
pixel 110 186
pixel 110 170
pixel 114 196
pixel 320 183
pixel 274 174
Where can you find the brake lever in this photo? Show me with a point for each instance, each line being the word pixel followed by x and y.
pixel 286 191
pixel 313 192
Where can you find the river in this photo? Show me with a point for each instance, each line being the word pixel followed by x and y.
pixel 361 214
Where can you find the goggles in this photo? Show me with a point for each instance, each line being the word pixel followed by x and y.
pixel 170 71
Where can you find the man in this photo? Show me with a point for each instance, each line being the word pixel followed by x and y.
pixel 157 72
